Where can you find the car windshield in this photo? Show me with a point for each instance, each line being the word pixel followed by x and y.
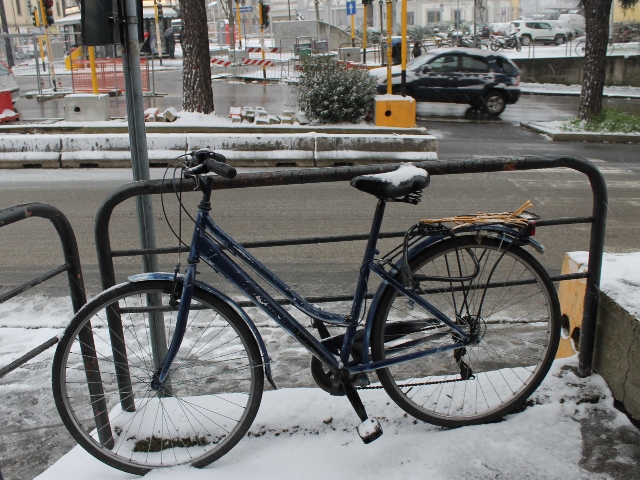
pixel 421 60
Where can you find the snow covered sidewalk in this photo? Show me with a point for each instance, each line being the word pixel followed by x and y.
pixel 304 433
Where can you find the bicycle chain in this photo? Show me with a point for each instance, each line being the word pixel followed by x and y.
pixel 412 384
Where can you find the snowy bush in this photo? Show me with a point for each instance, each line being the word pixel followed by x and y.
pixel 330 92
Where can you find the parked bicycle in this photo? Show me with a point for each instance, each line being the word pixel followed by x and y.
pixel 165 369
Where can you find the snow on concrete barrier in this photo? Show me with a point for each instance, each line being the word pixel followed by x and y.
pixel 304 149
pixel 113 150
pixel 24 151
pixel 255 150
pixel 350 149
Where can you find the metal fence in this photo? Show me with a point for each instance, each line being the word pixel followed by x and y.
pixel 28 57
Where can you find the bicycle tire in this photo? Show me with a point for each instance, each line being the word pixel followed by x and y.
pixel 212 396
pixel 518 330
pixel 580 48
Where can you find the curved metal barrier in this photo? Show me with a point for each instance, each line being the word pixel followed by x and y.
pixel 436 167
pixel 71 266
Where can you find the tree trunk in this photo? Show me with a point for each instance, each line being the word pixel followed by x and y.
pixel 197 93
pixel 597 14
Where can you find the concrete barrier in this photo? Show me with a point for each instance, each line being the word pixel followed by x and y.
pixel 621 70
pixel 20 151
pixel 109 150
pixel 617 338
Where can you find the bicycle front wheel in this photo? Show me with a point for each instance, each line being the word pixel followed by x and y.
pixel 581 47
pixel 105 363
pixel 499 295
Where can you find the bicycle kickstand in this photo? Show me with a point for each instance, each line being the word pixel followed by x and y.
pixel 370 429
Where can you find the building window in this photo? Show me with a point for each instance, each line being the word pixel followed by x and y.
pixel 58 11
pixel 18 7
pixel 410 18
pixel 433 16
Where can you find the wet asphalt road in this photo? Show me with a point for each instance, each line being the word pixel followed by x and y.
pixel 274 97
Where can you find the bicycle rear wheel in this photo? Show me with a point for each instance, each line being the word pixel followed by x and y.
pixel 507 303
pixel 106 360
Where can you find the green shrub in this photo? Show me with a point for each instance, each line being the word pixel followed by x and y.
pixel 329 92
pixel 607 121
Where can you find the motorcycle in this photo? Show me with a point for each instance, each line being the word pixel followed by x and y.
pixel 508 42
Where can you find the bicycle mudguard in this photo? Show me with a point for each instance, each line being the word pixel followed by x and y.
pixel 500 232
pixel 266 360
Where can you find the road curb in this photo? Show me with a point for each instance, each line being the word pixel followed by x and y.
pixel 560 136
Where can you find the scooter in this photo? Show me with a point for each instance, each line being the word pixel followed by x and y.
pixel 508 42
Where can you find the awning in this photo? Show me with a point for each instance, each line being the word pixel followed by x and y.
pixel 147 12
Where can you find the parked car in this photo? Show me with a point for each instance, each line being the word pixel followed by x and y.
pixel 485 80
pixel 8 82
pixel 569 32
pixel 537 31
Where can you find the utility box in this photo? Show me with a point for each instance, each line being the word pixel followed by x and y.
pixel 350 54
pixel 87 107
pixel 395 111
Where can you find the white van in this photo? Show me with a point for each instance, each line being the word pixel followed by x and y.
pixel 572 19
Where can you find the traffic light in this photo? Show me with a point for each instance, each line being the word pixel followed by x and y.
pixel 159 6
pixel 50 19
pixel 48 12
pixel 265 14
pixel 34 15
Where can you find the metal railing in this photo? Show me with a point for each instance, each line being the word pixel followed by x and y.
pixel 295 177
pixel 71 265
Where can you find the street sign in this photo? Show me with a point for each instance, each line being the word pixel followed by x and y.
pixel 244 9
pixel 351 8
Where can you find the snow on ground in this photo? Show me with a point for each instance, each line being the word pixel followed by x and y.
pixel 305 433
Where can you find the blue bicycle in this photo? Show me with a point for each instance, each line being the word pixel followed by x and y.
pixel 165 370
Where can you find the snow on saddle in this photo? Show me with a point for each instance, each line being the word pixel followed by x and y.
pixel 402 185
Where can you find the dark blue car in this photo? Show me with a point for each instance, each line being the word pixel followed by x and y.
pixel 485 80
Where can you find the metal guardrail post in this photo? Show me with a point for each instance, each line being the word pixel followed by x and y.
pixel 434 167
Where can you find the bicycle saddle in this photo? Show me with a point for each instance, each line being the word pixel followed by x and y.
pixel 404 181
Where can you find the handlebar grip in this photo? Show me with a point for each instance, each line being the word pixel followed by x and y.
pixel 222 169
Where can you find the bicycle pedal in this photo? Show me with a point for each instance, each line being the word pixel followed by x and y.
pixel 369 430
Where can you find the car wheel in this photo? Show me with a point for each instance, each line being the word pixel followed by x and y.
pixel 559 40
pixel 494 103
pixel 526 41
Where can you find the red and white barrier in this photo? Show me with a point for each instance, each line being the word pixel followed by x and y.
pixel 220 62
pixel 255 61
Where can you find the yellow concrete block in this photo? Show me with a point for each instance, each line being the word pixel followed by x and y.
pixel 571 295
pixel 395 111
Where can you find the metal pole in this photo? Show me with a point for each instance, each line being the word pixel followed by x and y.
pixel 35 56
pixel 140 159
pixel 389 56
pixel 403 78
pixel 238 22
pixel 158 42
pixel 52 69
pixel 364 36
pixel 353 29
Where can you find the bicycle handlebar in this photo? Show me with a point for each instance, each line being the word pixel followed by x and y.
pixel 208 161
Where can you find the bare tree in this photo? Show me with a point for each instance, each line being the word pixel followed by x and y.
pixel 597 15
pixel 197 92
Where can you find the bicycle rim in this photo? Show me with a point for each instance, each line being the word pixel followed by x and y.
pixel 510 308
pixel 212 396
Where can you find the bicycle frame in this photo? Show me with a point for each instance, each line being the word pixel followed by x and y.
pixel 203 247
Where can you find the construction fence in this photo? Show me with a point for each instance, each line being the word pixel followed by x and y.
pixel 35 65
